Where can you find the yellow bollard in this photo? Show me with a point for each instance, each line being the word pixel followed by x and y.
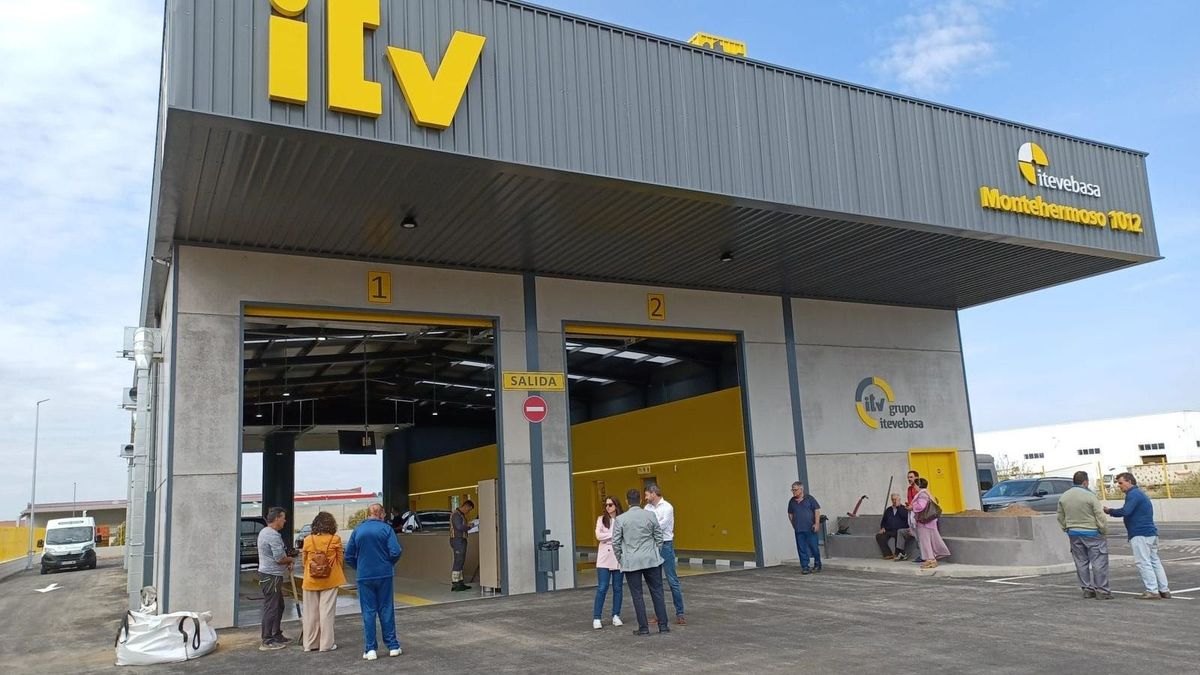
pixel 1167 479
pixel 1100 480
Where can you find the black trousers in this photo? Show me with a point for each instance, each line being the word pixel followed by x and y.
pixel 903 539
pixel 272 615
pixel 653 577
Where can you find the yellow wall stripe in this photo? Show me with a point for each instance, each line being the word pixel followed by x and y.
pixel 659 461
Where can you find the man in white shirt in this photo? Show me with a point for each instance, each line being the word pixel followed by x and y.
pixel 665 513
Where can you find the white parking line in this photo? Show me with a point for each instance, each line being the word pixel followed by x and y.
pixel 1009 580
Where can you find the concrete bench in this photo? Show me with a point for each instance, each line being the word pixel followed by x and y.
pixel 973 540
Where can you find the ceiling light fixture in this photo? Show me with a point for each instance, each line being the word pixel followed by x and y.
pixel 409 223
pixel 727 256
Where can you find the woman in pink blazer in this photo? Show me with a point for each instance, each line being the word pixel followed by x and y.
pixel 928 536
pixel 608 570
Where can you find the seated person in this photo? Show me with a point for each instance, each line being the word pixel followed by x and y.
pixel 894 525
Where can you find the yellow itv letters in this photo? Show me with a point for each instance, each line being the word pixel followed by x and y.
pixel 432 99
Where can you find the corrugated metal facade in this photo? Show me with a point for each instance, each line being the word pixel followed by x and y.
pixel 569 94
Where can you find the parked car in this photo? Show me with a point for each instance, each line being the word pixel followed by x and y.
pixel 248 538
pixel 425 521
pixel 304 532
pixel 1039 494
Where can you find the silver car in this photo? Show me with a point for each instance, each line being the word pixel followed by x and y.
pixel 1039 494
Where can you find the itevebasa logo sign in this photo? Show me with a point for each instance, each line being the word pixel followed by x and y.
pixel 1032 160
pixel 432 99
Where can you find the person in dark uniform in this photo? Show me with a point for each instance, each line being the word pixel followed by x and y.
pixel 458 543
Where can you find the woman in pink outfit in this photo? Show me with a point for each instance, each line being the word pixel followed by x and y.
pixel 928 536
pixel 608 570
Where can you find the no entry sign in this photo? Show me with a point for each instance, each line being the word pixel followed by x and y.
pixel 535 409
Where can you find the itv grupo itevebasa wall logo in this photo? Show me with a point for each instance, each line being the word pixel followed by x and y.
pixel 877 407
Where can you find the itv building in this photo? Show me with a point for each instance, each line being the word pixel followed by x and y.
pixel 534 259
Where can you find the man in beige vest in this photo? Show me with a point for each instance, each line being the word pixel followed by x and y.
pixel 1081 516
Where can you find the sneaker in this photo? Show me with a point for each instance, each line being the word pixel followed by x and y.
pixel 596 625
pixel 1165 595
pixel 284 639
pixel 370 656
pixel 395 652
pixel 639 632
pixel 901 556
pixel 333 648
pixel 664 629
pixel 1147 595
pixel 805 571
pixel 271 646
pixel 1089 593
pixel 889 556
pixel 817 568
pixel 1104 596
pixel 616 621
pixel 681 620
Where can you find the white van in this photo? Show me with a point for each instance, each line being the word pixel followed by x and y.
pixel 69 543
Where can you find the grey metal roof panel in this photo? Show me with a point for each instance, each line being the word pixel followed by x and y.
pixel 247 185
pixel 564 93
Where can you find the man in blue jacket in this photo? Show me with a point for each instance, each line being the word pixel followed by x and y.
pixel 373 551
pixel 1138 513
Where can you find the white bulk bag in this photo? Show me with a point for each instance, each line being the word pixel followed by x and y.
pixel 147 639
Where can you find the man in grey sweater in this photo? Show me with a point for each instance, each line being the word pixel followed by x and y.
pixel 1081 516
pixel 273 563
pixel 636 539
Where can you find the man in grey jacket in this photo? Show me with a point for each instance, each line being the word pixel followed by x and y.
pixel 1082 517
pixel 636 539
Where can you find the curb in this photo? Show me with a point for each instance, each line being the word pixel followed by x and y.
pixel 948 570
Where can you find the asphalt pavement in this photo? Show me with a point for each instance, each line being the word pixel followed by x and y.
pixel 752 621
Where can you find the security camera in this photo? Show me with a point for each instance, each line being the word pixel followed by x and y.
pixel 126 450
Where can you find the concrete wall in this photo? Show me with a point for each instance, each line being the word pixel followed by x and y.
pixel 1185 509
pixel 205 485
pixel 837 344
pixel 917 352
pixel 760 321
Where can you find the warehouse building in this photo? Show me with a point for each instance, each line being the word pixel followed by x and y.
pixel 534 259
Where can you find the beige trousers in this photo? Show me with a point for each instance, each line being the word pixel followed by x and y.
pixel 320 608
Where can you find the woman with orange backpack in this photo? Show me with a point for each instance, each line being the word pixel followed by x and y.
pixel 323 560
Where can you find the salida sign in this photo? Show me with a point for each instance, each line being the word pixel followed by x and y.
pixel 877 407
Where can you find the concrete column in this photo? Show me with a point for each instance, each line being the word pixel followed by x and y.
pixel 556 467
pixel 395 472
pixel 279 478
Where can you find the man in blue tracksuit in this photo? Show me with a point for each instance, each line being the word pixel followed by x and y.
pixel 1138 513
pixel 373 551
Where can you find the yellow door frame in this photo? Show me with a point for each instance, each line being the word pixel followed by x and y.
pixel 952 503
pixel 603 330
pixel 364 316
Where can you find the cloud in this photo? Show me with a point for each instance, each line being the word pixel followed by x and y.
pixel 935 46
pixel 78 111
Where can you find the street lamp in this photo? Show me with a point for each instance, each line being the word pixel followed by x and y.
pixel 37 414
